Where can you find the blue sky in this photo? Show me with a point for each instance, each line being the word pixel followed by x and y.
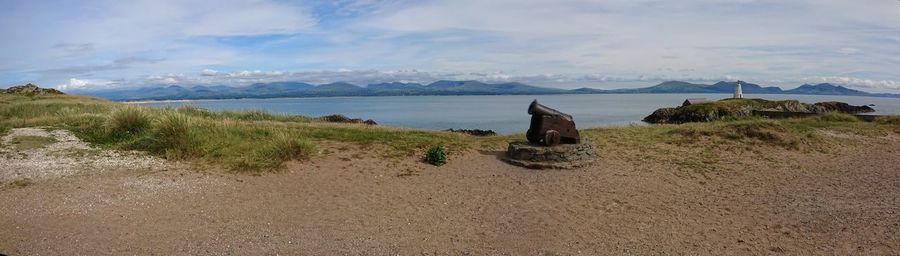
pixel 562 43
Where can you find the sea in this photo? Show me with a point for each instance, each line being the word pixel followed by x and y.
pixel 504 114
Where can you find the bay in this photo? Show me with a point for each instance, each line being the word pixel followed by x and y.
pixel 502 113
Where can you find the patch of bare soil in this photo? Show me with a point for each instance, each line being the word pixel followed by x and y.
pixel 839 201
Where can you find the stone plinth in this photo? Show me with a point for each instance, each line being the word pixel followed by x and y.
pixel 563 156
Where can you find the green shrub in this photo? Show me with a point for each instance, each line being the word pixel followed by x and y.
pixel 173 136
pixel 285 147
pixel 128 121
pixel 89 127
pixel 436 155
pixel 270 155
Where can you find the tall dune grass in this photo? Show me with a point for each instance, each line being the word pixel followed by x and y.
pixel 239 141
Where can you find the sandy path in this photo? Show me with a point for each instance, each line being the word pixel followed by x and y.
pixel 842 202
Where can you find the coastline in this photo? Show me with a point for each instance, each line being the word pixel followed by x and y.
pixel 165 101
pixel 479 95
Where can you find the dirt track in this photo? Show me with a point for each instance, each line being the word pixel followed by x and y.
pixel 842 202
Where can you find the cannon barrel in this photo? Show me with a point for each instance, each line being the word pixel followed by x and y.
pixel 537 109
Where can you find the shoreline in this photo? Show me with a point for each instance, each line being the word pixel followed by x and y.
pixel 477 95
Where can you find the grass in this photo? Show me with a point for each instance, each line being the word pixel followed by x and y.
pixel 239 141
pixel 732 104
pixel 888 120
pixel 259 141
pixel 750 131
pixel 129 121
pixel 700 147
pixel 31 142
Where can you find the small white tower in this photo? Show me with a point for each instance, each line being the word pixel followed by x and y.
pixel 738 94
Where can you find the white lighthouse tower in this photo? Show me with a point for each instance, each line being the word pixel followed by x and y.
pixel 738 94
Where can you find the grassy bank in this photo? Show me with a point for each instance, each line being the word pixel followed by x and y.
pixel 239 141
pixel 258 141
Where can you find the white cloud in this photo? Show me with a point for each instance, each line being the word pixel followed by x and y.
pixel 249 18
pixel 766 40
pixel 364 77
pixel 79 84
pixel 548 43
pixel 849 50
pixel 209 72
pixel 67 34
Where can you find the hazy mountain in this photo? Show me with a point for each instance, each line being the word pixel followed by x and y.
pixel 394 86
pixel 278 86
pixel 670 87
pixel 825 89
pixel 476 87
pixel 443 87
pixel 728 87
pixel 685 87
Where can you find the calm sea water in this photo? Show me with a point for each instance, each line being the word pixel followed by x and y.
pixel 503 113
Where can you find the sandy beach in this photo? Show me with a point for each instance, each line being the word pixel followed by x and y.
pixel 837 201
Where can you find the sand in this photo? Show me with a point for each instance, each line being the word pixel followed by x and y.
pixel 841 201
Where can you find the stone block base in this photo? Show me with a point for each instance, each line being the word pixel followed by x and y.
pixel 563 156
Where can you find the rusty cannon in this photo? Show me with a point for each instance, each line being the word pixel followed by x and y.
pixel 550 127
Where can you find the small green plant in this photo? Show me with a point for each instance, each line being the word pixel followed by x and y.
pixel 436 155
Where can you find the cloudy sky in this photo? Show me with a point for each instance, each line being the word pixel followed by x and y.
pixel 555 43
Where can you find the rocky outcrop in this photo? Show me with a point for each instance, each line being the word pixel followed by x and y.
pixel 473 132
pixel 338 118
pixel 705 112
pixel 30 90
pixel 835 106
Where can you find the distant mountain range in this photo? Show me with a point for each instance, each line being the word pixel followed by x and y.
pixel 443 87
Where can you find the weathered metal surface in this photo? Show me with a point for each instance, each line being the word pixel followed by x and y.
pixel 550 127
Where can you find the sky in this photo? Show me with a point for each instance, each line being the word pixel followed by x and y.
pixel 97 45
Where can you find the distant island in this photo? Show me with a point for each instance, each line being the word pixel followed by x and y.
pixel 443 87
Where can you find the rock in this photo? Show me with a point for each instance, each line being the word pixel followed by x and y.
pixel 789 106
pixel 834 106
pixel 473 132
pixel 338 118
pixel 563 156
pixel 31 90
pixel 661 116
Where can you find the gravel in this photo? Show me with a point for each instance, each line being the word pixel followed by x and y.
pixel 65 157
